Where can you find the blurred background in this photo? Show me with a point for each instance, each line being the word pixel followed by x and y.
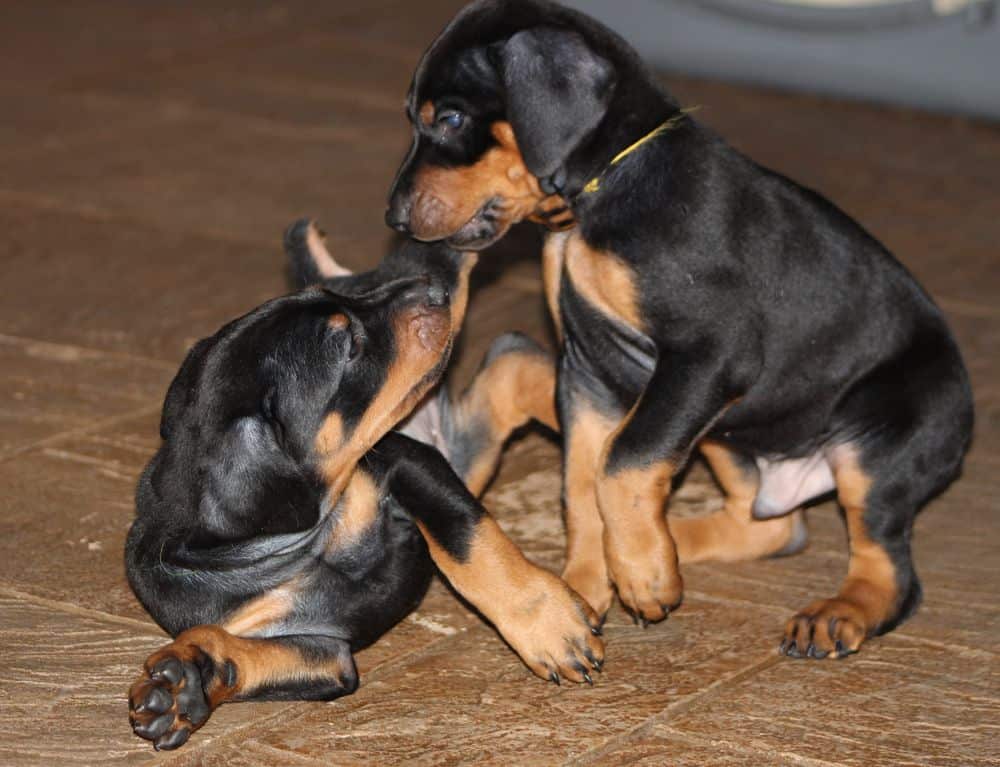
pixel 936 54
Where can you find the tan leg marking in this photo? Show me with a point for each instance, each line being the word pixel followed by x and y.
pixel 172 698
pixel 258 662
pixel 515 388
pixel 325 263
pixel 264 611
pixel 838 626
pixel 547 624
pixel 732 534
pixel 640 553
pixel 586 571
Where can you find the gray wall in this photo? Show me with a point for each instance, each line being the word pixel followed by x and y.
pixel 945 63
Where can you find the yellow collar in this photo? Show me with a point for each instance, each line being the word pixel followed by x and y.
pixel 595 183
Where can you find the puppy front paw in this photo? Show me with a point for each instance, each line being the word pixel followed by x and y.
pixel 644 570
pixel 168 702
pixel 556 633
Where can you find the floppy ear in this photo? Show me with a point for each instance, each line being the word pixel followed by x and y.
pixel 182 388
pixel 311 261
pixel 558 90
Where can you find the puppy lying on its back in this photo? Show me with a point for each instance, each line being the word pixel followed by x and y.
pixel 282 525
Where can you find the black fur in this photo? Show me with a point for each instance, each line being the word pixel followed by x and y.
pixel 752 289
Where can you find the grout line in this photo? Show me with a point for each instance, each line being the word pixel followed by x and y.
pixel 895 634
pixel 57 347
pixel 806 761
pixel 79 432
pixel 281 753
pixel 596 755
pixel 69 607
pixel 301 708
pixel 980 652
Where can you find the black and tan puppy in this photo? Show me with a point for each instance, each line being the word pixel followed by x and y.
pixel 701 301
pixel 282 526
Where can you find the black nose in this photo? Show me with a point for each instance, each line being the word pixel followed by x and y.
pixel 398 218
pixel 437 295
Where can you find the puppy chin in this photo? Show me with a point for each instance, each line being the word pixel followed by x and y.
pixel 478 234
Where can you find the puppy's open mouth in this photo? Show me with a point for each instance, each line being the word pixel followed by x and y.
pixel 485 227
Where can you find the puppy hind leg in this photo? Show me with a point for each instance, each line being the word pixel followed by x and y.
pixel 515 384
pixel 732 534
pixel 881 588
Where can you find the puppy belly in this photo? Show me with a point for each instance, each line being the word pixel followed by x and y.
pixel 787 484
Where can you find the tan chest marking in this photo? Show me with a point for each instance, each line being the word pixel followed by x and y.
pixel 604 280
pixel 553 259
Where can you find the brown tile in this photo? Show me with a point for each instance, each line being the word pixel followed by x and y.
pixel 65 44
pixel 68 507
pixel 321 81
pixel 660 745
pixel 64 677
pixel 60 122
pixel 47 389
pixel 957 591
pixel 913 703
pixel 470 701
pixel 125 287
pixel 191 171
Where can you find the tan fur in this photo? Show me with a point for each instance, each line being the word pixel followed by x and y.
pixel 258 662
pixel 640 553
pixel 585 569
pixel 604 280
pixel 423 336
pixel 357 511
pixel 553 260
pixel 266 610
pixel 446 198
pixel 545 623
pixel 868 595
pixel 732 534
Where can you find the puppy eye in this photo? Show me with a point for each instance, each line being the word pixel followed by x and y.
pixel 452 119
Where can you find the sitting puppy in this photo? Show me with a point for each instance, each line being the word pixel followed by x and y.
pixel 701 301
pixel 282 526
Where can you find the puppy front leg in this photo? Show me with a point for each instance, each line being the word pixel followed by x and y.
pixel 684 397
pixel 555 632
pixel 185 681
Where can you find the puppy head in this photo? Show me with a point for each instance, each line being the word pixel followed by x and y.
pixel 498 103
pixel 302 386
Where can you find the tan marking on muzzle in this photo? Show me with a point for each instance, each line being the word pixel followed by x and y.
pixel 423 338
pixel 445 199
